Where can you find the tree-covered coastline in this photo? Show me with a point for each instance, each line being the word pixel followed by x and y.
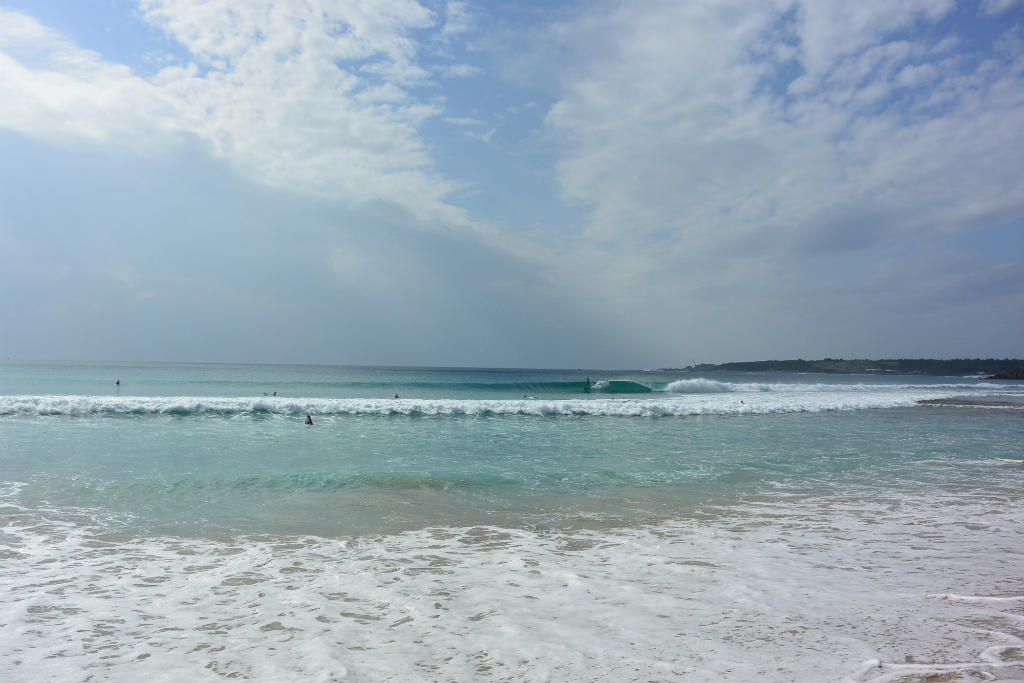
pixel 996 368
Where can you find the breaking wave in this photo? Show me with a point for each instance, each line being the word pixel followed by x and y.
pixel 618 386
pixel 687 397
pixel 699 385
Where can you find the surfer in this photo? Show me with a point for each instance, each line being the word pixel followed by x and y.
pixel 309 421
pixel 118 382
pixel 396 395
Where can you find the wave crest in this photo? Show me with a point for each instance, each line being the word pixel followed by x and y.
pixel 703 398
pixel 620 386
pixel 699 385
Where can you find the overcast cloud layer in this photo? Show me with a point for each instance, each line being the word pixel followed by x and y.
pixel 613 184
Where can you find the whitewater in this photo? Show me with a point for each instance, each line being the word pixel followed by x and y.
pixel 685 397
pixel 507 525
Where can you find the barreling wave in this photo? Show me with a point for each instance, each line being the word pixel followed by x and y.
pixel 712 398
pixel 619 386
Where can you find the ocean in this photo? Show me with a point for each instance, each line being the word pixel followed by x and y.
pixel 468 524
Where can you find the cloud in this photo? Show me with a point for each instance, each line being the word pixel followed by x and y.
pixel 311 97
pixel 998 6
pixel 831 31
pixel 737 177
pixel 914 76
pixel 458 20
pixel 49 88
pixel 717 144
pixel 678 130
pixel 460 71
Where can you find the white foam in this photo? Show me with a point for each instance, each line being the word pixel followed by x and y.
pixel 715 399
pixel 979 598
pixel 700 385
pixel 802 591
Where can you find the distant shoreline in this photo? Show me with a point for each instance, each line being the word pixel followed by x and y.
pixel 988 368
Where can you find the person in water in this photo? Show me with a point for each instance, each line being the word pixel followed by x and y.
pixel 309 420
pixel 396 395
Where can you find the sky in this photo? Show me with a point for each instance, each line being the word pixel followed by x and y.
pixel 602 184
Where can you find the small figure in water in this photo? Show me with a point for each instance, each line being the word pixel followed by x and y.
pixel 118 382
pixel 396 395
pixel 309 421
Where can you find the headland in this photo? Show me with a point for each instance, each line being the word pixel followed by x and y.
pixel 990 368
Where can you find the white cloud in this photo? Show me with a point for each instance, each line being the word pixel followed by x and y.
pixel 830 31
pixel 310 96
pixel 51 88
pixel 997 6
pixel 460 71
pixel 485 137
pixel 673 129
pixel 916 75
pixel 698 166
pixel 458 20
pixel 776 161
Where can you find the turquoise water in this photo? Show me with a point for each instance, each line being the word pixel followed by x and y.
pixel 770 483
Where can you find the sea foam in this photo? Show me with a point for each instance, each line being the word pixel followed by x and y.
pixel 806 590
pixel 703 398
